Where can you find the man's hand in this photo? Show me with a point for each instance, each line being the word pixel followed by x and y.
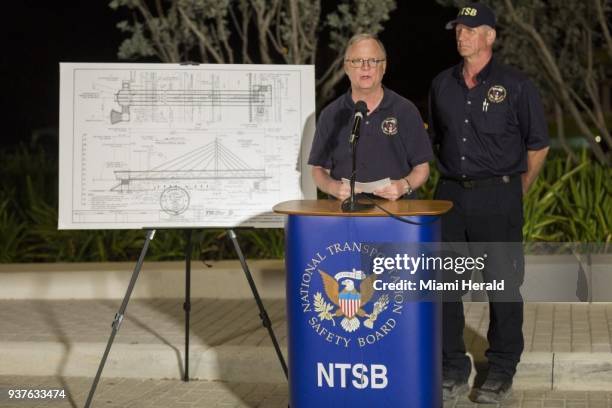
pixel 418 175
pixel 393 191
pixel 339 189
pixel 328 185
pixel 535 161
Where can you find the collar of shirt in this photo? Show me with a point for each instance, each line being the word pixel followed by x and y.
pixel 482 75
pixel 385 104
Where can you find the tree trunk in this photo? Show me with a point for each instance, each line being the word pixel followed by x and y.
pixel 561 133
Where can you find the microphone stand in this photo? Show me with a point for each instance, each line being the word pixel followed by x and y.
pixel 351 204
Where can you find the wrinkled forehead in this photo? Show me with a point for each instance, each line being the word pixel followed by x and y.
pixel 481 29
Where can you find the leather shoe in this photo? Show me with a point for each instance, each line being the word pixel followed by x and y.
pixel 493 391
pixel 452 388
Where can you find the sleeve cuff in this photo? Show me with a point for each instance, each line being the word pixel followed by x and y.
pixel 537 145
pixel 421 160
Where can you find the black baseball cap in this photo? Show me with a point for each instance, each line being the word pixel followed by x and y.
pixel 473 15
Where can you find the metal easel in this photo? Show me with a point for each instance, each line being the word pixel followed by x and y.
pixel 116 324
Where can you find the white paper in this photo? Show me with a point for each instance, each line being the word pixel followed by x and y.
pixel 369 187
pixel 167 145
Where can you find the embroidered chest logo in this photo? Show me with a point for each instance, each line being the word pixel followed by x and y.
pixel 496 94
pixel 389 126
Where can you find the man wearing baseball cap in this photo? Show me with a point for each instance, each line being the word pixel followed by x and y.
pixel 490 137
pixel 473 15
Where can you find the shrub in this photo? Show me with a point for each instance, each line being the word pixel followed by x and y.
pixel 567 203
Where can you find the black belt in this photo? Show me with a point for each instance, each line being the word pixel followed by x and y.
pixel 492 181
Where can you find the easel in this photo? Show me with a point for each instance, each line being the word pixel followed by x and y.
pixel 150 233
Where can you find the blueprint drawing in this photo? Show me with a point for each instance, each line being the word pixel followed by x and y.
pixel 176 146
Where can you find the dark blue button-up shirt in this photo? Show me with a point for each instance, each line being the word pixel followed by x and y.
pixel 485 131
pixel 393 139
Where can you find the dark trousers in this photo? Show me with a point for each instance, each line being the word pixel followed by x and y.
pixel 490 217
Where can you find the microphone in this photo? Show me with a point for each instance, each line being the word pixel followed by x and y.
pixel 351 204
pixel 361 109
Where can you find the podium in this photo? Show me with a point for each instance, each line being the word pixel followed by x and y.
pixel 351 345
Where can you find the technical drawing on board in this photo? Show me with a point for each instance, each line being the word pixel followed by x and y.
pixel 255 97
pixel 164 145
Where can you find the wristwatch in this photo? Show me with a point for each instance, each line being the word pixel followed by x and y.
pixel 408 187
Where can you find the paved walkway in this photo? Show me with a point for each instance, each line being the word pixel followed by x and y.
pixel 46 344
pixel 548 327
pixel 134 393
pixel 131 393
pixel 161 321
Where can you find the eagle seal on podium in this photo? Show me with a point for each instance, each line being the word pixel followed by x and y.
pixel 349 300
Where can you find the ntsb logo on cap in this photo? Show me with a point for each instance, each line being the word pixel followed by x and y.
pixel 473 15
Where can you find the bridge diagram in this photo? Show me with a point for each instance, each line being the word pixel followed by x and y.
pixel 167 145
pixel 256 98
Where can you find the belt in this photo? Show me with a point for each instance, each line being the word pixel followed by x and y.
pixel 492 181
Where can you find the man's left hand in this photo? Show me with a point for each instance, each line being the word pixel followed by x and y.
pixel 393 191
pixel 535 161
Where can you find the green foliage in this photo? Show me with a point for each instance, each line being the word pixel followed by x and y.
pixel 137 44
pixel 28 222
pixel 250 32
pixel 268 243
pixel 361 16
pixel 426 192
pixel 567 203
pixel 570 203
pixel 190 26
pixel 12 231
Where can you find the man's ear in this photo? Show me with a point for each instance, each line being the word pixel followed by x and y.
pixel 491 35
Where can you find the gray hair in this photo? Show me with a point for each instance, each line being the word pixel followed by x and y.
pixel 364 36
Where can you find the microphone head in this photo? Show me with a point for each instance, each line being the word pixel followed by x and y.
pixel 361 107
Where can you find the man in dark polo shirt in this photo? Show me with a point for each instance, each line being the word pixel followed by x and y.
pixel 393 142
pixel 490 136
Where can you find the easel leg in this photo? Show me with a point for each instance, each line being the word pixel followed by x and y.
pixel 119 316
pixel 187 304
pixel 265 319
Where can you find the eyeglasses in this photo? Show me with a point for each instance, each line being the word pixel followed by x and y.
pixel 360 62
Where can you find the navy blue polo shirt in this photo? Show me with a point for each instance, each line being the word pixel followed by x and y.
pixel 393 139
pixel 485 131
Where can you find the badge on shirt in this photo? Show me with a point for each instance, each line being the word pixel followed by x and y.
pixel 389 126
pixel 496 94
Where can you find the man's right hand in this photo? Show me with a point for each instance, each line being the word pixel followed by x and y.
pixel 339 189
pixel 329 185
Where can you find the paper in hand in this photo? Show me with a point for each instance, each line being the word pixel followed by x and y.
pixel 369 187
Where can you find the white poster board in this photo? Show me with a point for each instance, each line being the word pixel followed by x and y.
pixel 168 145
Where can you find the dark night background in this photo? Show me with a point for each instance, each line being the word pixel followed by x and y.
pixel 38 35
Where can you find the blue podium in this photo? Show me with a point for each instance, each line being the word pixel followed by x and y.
pixel 350 344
